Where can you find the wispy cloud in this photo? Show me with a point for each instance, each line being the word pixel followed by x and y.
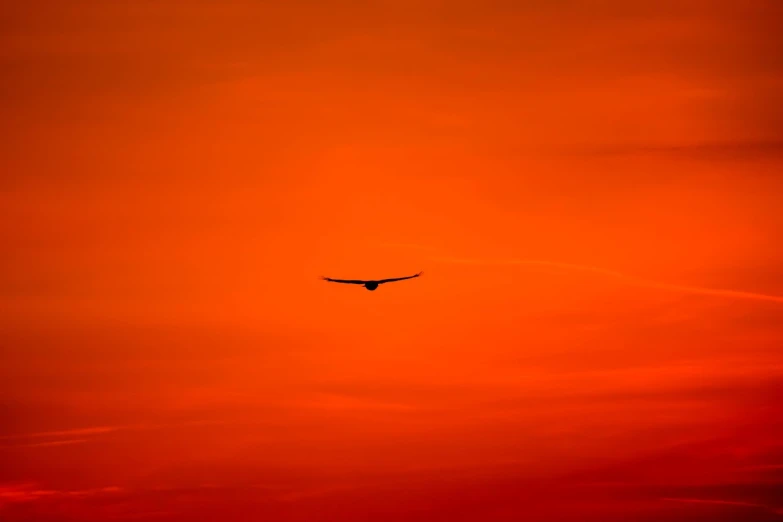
pixel 713 501
pixel 297 495
pixel 408 245
pixel 341 402
pixel 66 442
pixel 95 430
pixel 59 437
pixel 731 150
pixel 604 272
pixel 730 503
pixel 83 435
pixel 764 467
pixel 634 280
pixel 28 492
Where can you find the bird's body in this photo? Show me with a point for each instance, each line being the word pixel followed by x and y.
pixel 369 284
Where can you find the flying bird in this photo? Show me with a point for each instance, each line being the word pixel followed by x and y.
pixel 369 285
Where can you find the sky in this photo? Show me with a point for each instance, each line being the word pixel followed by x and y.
pixel 591 188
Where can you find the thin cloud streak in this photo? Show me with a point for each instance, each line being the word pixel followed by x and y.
pixel 630 279
pixel 67 442
pixel 16 493
pixel 740 150
pixel 763 467
pixel 637 281
pixel 103 430
pixel 97 430
pixel 721 503
pixel 712 501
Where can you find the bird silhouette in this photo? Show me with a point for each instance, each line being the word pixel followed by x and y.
pixel 371 284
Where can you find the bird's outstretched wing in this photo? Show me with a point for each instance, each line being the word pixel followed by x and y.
pixel 391 280
pixel 348 281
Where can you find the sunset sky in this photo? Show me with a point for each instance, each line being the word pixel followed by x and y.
pixel 592 189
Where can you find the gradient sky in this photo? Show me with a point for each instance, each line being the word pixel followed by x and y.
pixel 592 189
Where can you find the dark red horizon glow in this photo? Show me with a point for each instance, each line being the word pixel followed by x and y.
pixel 592 190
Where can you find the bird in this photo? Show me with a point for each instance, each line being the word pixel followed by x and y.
pixel 372 284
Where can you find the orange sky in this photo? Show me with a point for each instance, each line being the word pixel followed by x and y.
pixel 591 188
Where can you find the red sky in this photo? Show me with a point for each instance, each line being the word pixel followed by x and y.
pixel 591 188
